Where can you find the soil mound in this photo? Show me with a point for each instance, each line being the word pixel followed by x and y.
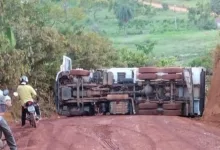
pixel 212 109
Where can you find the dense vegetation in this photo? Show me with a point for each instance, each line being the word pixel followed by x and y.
pixel 96 33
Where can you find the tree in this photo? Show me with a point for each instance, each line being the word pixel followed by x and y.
pixel 200 16
pixel 94 5
pixel 132 58
pixel 124 13
pixel 89 50
pixel 215 6
pixel 147 47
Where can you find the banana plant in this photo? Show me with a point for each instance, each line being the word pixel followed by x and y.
pixel 11 37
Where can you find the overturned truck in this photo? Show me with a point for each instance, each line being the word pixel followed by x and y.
pixel 132 91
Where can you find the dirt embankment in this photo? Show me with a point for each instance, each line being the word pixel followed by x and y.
pixel 212 110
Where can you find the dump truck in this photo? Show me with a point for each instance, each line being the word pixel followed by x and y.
pixel 130 91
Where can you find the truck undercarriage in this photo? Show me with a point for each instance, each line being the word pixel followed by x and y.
pixel 131 91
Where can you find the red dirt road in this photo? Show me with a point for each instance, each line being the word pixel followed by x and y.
pixel 119 133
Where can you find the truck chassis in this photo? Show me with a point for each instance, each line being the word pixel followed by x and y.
pixel 147 91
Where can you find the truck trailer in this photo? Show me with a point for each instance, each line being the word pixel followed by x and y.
pixel 131 91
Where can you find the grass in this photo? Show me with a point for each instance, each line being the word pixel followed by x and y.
pixel 186 43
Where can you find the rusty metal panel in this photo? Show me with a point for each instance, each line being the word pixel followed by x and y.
pixel 119 107
pixel 117 96
pixel 66 93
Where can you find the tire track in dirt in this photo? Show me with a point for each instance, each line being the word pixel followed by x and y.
pixel 170 128
pixel 105 122
pixel 197 124
pixel 103 132
pixel 117 133
pixel 161 136
pixel 148 138
pixel 23 136
pixel 53 137
pixel 182 132
pixel 82 131
pixel 76 130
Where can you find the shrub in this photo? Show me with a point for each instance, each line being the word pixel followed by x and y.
pixel 165 6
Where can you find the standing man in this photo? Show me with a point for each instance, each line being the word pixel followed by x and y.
pixel 5 100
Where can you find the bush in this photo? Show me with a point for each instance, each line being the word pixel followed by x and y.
pixel 132 58
pixel 204 60
pixel 134 32
pixel 201 18
pixel 215 6
pixel 165 6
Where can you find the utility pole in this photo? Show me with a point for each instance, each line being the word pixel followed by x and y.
pixel 175 16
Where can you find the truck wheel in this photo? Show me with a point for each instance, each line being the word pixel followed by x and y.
pixel 172 112
pixel 147 76
pixel 171 70
pixel 76 72
pixel 148 70
pixel 147 106
pixel 172 76
pixel 172 106
pixel 147 112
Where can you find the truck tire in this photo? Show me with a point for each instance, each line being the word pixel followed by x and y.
pixel 172 112
pixel 147 112
pixel 171 70
pixel 147 76
pixel 147 106
pixel 76 72
pixel 148 70
pixel 172 106
pixel 172 76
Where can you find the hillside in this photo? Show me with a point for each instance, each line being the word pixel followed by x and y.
pixel 97 34
pixel 174 34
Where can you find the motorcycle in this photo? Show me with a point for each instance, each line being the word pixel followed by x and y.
pixel 31 115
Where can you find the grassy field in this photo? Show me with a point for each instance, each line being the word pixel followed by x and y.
pixel 185 43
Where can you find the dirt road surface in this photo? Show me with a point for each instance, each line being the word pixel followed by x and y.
pixel 159 5
pixel 118 133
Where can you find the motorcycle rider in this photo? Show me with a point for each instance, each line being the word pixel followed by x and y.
pixel 4 128
pixel 26 93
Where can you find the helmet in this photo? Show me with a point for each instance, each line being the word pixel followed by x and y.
pixel 5 92
pixel 24 79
